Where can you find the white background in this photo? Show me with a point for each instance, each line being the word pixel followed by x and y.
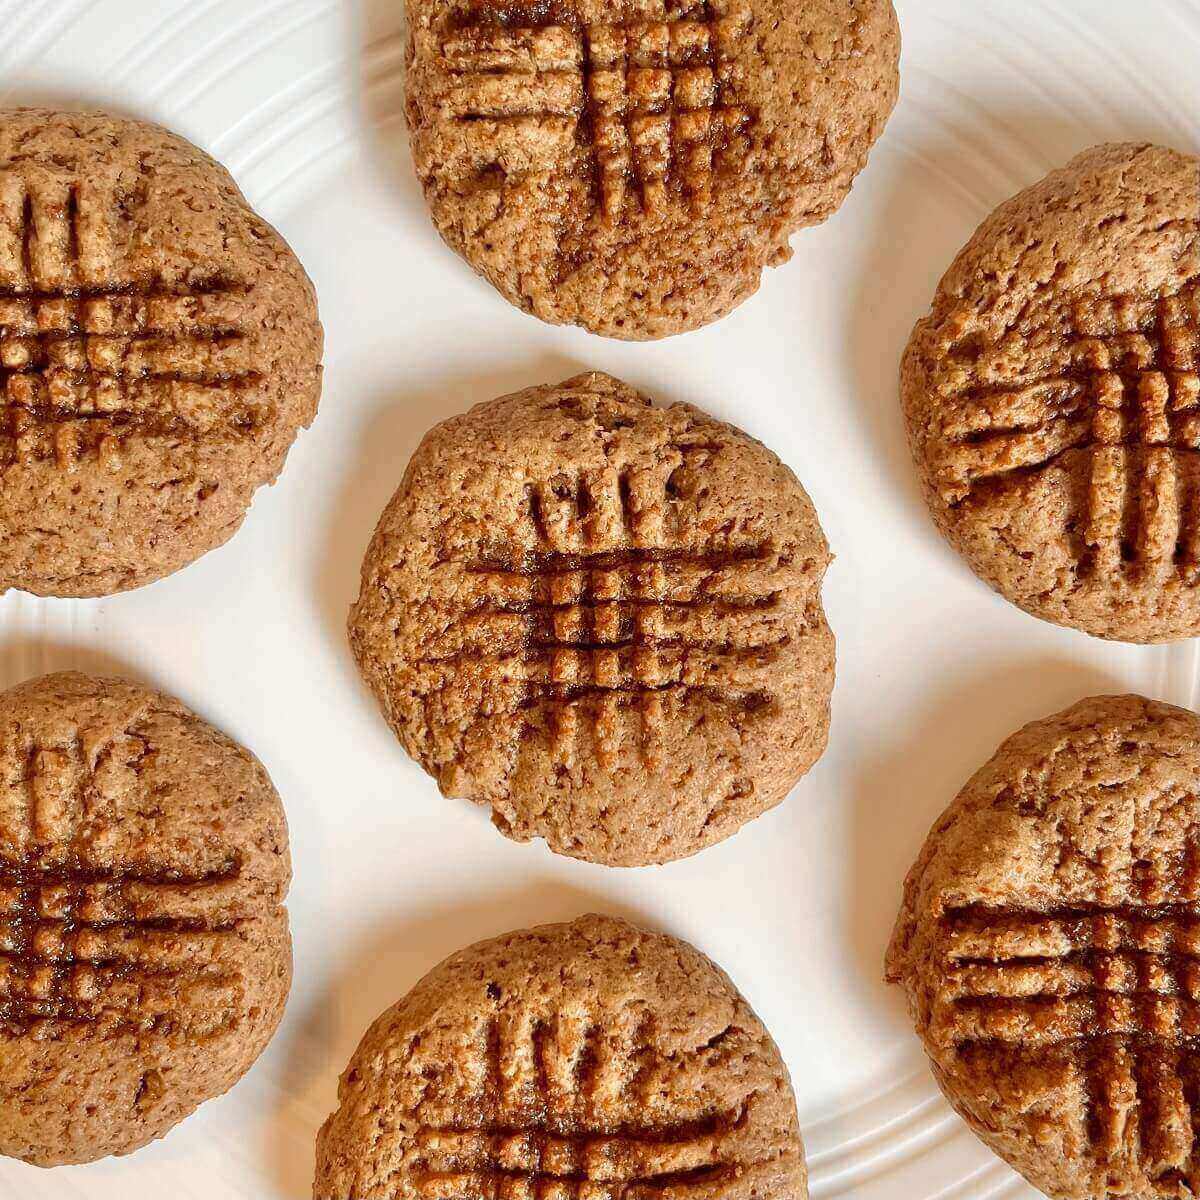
pixel 301 98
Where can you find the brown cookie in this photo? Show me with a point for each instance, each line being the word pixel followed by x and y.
pixel 587 1059
pixel 1049 944
pixel 1053 396
pixel 144 950
pixel 602 619
pixel 159 350
pixel 633 167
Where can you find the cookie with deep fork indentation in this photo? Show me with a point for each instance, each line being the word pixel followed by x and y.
pixel 1053 397
pixel 633 167
pixel 159 351
pixel 601 618
pixel 586 1059
pixel 1049 948
pixel 145 958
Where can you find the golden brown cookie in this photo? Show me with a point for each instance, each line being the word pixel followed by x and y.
pixel 1053 396
pixel 159 352
pixel 602 619
pixel 633 167
pixel 144 950
pixel 1049 947
pixel 587 1059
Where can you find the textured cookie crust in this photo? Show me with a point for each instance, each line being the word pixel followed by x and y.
pixel 1049 947
pixel 633 167
pixel 587 1059
pixel 159 351
pixel 144 950
pixel 602 619
pixel 1053 397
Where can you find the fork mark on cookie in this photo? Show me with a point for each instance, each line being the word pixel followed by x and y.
pixel 650 105
pixel 1114 378
pixel 90 357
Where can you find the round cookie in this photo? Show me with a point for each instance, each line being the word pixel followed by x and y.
pixel 590 1057
pixel 145 958
pixel 602 619
pixel 159 351
pixel 1048 945
pixel 632 168
pixel 1053 397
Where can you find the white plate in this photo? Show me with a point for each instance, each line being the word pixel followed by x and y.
pixel 302 99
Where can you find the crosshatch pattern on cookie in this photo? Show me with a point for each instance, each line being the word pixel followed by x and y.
pixel 1116 378
pixel 103 949
pixel 566 1107
pixel 1102 1001
pixel 652 104
pixel 91 355
pixel 596 622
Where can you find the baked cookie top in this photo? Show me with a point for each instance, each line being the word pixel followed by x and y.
pixel 633 167
pixel 590 1058
pixel 1048 944
pixel 1053 396
pixel 602 619
pixel 159 351
pixel 144 949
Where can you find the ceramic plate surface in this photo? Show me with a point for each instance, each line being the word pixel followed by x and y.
pixel 302 100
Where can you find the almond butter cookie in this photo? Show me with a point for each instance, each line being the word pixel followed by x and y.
pixel 1053 397
pixel 145 958
pixel 602 619
pixel 590 1059
pixel 159 351
pixel 1049 948
pixel 633 167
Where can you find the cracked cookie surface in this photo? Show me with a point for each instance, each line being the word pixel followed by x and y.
pixel 1052 397
pixel 585 1059
pixel 632 168
pixel 1048 945
pixel 159 352
pixel 601 618
pixel 145 958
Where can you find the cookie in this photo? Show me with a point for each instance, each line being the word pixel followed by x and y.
pixel 144 950
pixel 585 1059
pixel 633 167
pixel 602 619
pixel 1053 397
pixel 1049 947
pixel 159 351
